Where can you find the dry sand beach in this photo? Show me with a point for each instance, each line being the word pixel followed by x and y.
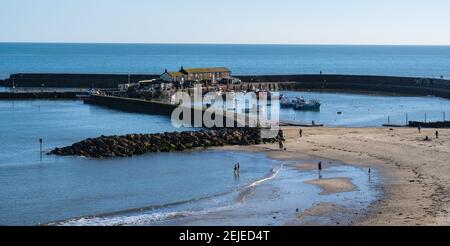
pixel 415 173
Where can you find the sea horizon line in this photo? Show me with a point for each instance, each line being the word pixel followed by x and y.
pixel 226 44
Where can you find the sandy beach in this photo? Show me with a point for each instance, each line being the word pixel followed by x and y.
pixel 415 173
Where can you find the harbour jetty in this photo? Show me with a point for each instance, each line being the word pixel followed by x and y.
pixel 38 95
pixel 131 104
pixel 386 84
pixel 63 80
pixel 416 124
pixel 344 83
pixel 137 105
pixel 436 124
pixel 139 144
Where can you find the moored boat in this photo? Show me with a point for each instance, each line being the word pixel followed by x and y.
pixel 300 103
pixel 311 105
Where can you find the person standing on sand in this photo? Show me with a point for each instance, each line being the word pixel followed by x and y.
pixel 419 128
pixel 300 132
pixel 281 135
pixel 437 134
pixel 281 145
pixel 320 169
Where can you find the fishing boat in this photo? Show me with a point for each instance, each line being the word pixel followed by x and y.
pixel 285 102
pixel 311 105
pixel 300 103
pixel 88 93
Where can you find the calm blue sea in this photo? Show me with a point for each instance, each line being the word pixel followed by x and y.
pixel 363 110
pixel 150 188
pixel 59 188
pixel 429 61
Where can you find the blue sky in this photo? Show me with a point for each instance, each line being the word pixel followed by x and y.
pixel 227 21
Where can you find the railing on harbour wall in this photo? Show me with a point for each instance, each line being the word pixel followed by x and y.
pixel 427 120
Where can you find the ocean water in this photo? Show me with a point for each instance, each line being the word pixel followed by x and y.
pixel 351 109
pixel 154 188
pixel 59 188
pixel 366 110
pixel 175 186
pixel 428 61
pixel 270 201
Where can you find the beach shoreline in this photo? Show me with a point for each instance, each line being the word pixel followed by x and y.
pixel 414 172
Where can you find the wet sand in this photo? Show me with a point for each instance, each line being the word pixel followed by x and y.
pixel 293 197
pixel 326 214
pixel 416 173
pixel 334 185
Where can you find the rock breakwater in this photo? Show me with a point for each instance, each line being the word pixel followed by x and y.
pixel 139 144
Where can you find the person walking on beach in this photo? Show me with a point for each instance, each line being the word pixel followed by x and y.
pixel 280 143
pixel 300 132
pixel 281 135
pixel 437 134
pixel 319 166
pixel 419 128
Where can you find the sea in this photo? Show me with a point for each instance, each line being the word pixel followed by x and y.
pixel 195 187
pixel 424 61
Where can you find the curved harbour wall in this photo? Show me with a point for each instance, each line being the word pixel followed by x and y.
pixel 38 95
pixel 389 84
pixel 73 80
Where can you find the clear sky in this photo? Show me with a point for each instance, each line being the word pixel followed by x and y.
pixel 227 21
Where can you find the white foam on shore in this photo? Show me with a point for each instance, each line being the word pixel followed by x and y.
pixel 152 217
pixel 135 220
pixel 272 175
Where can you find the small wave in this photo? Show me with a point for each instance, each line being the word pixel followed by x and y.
pixel 274 172
pixel 126 213
pixel 149 216
pixel 135 220
pixel 250 189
